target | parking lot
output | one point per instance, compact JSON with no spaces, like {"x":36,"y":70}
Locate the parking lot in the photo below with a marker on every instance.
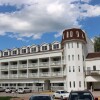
{"x":27,"y":95}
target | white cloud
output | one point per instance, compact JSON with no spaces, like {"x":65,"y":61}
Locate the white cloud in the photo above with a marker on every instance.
{"x":40,"y":16}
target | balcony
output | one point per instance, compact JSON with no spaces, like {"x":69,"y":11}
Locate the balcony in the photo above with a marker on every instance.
{"x":92,"y":72}
{"x":13,"y":76}
{"x":22,"y":66}
{"x":4,"y":67}
{"x":32,"y":65}
{"x":4,"y":76}
{"x":13,"y":67}
{"x":44,"y":74}
{"x":55,"y":63}
{"x":57,"y":74}
{"x":31,"y":75}
{"x":22,"y":75}
{"x":44,"y":64}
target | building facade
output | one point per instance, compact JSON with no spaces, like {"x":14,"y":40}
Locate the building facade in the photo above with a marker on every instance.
{"x":70,"y":64}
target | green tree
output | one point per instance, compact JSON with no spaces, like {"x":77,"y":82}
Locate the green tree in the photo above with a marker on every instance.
{"x":97,"y":44}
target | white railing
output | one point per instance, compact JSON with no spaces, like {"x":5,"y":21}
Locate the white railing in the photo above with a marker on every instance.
{"x":43,"y":74}
{"x":32,"y":65}
{"x":4,"y":67}
{"x":13,"y":66}
{"x":33,"y":75}
{"x":22,"y":66}
{"x":56,"y":74}
{"x":4,"y":76}
{"x":13,"y":76}
{"x":55,"y":63}
{"x":22,"y":75}
{"x":44,"y":64}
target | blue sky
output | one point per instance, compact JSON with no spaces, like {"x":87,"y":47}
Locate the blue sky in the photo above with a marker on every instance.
{"x":24,"y":23}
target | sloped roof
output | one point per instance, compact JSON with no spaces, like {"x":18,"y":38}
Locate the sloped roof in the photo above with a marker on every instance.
{"x":93,"y":55}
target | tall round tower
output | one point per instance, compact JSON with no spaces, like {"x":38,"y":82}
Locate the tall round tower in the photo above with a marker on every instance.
{"x":74,"y":45}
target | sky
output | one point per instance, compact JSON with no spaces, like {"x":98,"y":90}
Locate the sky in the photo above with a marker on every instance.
{"x":27,"y":22}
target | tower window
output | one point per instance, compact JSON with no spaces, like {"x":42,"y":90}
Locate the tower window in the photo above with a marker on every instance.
{"x":69,"y":68}
{"x":74,"y":84}
{"x":73,"y":68}
{"x":71,"y":33}
{"x":69,"y":57}
{"x":78,"y":57}
{"x":67,"y":34}
{"x":70,"y":84}
{"x":77,"y":32}
{"x":68,"y":45}
{"x":77,"y":45}
{"x":79,"y":68}
{"x":94,"y":68}
{"x":72,"y":57}
{"x":79,"y":83}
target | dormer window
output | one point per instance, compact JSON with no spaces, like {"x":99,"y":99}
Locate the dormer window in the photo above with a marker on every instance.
{"x":14,"y":52}
{"x":82,"y":36}
{"x":67,"y":34}
{"x":77,"y":33}
{"x":33,"y":49}
{"x":71,"y":33}
{"x":6,"y":53}
{"x":56,"y":46}
{"x":23,"y":50}
{"x":44,"y":48}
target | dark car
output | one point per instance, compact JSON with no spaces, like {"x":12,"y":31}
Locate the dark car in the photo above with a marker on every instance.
{"x":40,"y":97}
{"x":81,"y":95}
{"x":2,"y":89}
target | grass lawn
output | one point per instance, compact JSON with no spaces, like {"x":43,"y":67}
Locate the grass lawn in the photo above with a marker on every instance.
{"x":5,"y":98}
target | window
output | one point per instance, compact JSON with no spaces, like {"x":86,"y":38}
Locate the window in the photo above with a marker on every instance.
{"x":79,"y":83}
{"x":74,"y":84}
{"x":23,"y":50}
{"x":77,"y":45}
{"x":44,"y":48}
{"x":83,"y":58}
{"x":72,"y":44}
{"x":94,"y":68}
{"x":56,"y":46}
{"x":69,"y":57}
{"x":67,"y":34}
{"x":14,"y":52}
{"x":68,"y":45}
{"x":69,"y":68}
{"x":78,"y":57}
{"x":5,"y":53}
{"x":77,"y":33}
{"x":71,"y":33}
{"x":70,"y":84}
{"x":33,"y":49}
{"x":72,"y":57}
{"x":79,"y":68}
{"x":73,"y":68}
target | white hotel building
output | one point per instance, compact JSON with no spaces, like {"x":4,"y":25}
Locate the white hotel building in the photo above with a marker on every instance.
{"x":70,"y":64}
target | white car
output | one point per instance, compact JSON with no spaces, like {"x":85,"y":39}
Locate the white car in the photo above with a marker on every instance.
{"x":8,"y":90}
{"x":24,"y":90}
{"x":62,"y":94}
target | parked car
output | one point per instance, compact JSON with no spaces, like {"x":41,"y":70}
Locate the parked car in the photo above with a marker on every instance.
{"x":13,"y":89}
{"x":24,"y":90}
{"x":2,"y":89}
{"x":41,"y":97}
{"x":8,"y":90}
{"x":62,"y":94}
{"x":81,"y":95}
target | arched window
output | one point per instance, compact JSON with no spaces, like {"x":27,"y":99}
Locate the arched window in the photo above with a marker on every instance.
{"x":77,"y":33}
{"x":71,"y":33}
